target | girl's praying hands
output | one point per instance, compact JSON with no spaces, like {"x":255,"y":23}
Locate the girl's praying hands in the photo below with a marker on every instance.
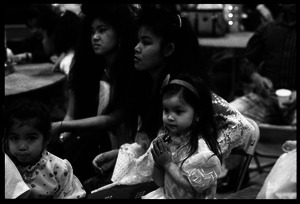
{"x":161,"y":153}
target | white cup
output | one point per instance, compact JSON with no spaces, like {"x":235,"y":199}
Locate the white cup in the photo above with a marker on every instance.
{"x":283,"y":96}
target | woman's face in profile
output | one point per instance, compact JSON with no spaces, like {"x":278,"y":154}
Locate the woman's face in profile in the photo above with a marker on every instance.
{"x":103,"y":37}
{"x":148,"y":51}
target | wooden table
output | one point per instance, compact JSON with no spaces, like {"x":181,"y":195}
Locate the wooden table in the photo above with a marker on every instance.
{"x":30,"y":77}
{"x":39,"y":82}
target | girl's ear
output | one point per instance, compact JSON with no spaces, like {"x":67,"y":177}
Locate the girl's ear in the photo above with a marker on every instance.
{"x":169,"y":49}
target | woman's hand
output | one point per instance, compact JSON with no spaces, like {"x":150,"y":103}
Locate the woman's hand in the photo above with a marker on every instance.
{"x":64,"y":136}
{"x":263,"y":85}
{"x":105,"y":161}
{"x":56,"y":60}
{"x":161,"y":153}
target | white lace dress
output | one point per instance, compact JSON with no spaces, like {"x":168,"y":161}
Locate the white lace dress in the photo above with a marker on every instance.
{"x":201,"y":170}
{"x":133,"y":166}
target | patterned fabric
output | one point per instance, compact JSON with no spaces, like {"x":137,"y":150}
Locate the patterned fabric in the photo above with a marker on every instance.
{"x":201,"y":169}
{"x":132,"y":165}
{"x":264,"y":110}
{"x":52,"y":177}
{"x":232,"y":126}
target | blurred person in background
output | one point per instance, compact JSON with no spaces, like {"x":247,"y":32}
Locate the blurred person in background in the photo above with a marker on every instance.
{"x":269,"y":64}
{"x":256,"y":14}
{"x":54,"y":34}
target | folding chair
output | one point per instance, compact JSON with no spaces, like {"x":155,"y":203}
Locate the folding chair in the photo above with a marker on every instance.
{"x":247,"y":150}
{"x":272,"y":135}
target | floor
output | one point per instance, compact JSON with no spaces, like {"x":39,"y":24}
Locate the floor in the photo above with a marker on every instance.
{"x":257,"y":177}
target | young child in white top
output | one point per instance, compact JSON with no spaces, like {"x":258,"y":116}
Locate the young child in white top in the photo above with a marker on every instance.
{"x":187,"y":164}
{"x":184,"y":160}
{"x":27,"y":134}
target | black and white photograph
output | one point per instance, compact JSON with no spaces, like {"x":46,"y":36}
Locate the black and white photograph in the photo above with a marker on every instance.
{"x":149,"y":100}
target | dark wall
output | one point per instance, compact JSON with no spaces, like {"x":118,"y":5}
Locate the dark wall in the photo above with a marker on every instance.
{"x":14,"y":13}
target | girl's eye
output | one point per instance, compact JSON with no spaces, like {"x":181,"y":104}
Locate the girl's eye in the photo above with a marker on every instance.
{"x":98,"y":30}
{"x":13,"y":138}
{"x":102,"y":30}
{"x":146,"y":42}
{"x":178,"y":112}
{"x":32,"y":138}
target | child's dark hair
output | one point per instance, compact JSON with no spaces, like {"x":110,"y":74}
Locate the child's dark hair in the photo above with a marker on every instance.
{"x":203,"y":107}
{"x":25,"y":109}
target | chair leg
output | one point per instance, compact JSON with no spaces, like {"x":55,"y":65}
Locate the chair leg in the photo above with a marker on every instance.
{"x":242,"y":174}
{"x":261,"y":168}
{"x":257,"y":153}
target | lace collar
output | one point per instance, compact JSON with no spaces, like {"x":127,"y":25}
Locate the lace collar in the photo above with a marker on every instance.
{"x":180,"y":140}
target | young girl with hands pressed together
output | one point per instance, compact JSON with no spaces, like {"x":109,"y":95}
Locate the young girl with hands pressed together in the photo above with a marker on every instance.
{"x":184,"y":159}
{"x":186,"y":153}
{"x":27,"y":134}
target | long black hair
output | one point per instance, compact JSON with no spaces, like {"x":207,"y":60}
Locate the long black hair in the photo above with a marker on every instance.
{"x":66,"y":33}
{"x":174,"y":27}
{"x":205,"y":126}
{"x":88,"y":67}
{"x":171,"y":27}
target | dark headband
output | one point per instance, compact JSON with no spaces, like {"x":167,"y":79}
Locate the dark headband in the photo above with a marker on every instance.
{"x":181,"y":83}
